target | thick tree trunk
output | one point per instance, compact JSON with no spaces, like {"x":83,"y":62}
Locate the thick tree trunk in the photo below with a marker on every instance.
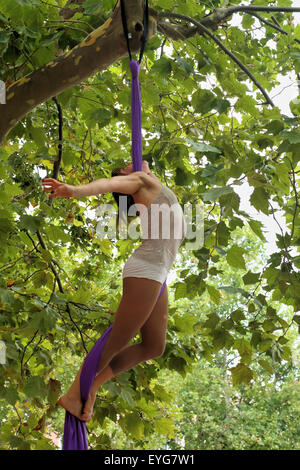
{"x":99,"y":50}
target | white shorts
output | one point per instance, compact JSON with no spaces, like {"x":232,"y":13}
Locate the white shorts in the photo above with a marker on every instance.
{"x":138,"y":267}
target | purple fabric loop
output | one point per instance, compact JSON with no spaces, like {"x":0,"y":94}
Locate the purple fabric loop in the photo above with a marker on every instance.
{"x":75,"y":437}
{"x":136,"y":117}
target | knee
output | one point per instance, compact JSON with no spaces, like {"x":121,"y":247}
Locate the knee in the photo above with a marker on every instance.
{"x":154,"y":350}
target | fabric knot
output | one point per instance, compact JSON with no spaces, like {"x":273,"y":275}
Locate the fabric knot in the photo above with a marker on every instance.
{"x":135,"y":68}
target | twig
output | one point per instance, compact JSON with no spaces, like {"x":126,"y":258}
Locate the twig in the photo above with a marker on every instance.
{"x":9,"y":265}
{"x":83,"y":151}
{"x":254,"y":8}
{"x":32,"y":241}
{"x":73,"y":21}
{"x":57,"y":163}
{"x":35,"y":348}
{"x":24,"y":350}
{"x":224,"y":48}
{"x":278,"y":28}
{"x":293,"y":182}
{"x":61,"y":290}
{"x":53,"y":290}
{"x":275,"y":21}
{"x":162,"y":47}
{"x":68,"y":27}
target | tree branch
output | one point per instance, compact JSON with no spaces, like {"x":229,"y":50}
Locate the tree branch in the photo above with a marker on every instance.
{"x":278,"y":28}
{"x":205,"y":30}
{"x":248,"y":8}
{"x":24,"y":351}
{"x":57,"y":163}
{"x":61,"y":289}
{"x":100,"y":49}
{"x":294,"y":185}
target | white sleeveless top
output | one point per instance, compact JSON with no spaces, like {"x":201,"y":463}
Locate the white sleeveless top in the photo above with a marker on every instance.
{"x":163,"y":230}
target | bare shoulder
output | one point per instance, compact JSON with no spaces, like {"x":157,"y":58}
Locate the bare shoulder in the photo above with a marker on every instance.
{"x":149,"y":189}
{"x":150,"y":181}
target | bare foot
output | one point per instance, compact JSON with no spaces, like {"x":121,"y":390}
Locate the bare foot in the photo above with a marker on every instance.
{"x":88,"y":407}
{"x":74,"y":406}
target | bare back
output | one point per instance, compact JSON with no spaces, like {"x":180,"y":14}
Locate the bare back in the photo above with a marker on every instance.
{"x":147,"y":194}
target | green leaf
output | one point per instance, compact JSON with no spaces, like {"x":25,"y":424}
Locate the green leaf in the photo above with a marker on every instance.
{"x":177,"y":363}
{"x":292,"y":136}
{"x":201,"y":147}
{"x":222,"y":105}
{"x":235,"y":290}
{"x":265,"y":344}
{"x":165,"y":426}
{"x":260,"y":200}
{"x":241,"y":374}
{"x":54,"y":390}
{"x":214,"y":294}
{"x":4,"y":37}
{"x":243,"y":346}
{"x":166,"y":3}
{"x":203,"y":101}
{"x":223,"y":234}
{"x":57,"y":299}
{"x":185,"y":65}
{"x":6,"y":296}
{"x":180,"y":290}
{"x":39,"y":279}
{"x":101,"y":117}
{"x":11,"y":395}
{"x":35,"y":387}
{"x":56,"y":233}
{"x":230,"y":201}
{"x":219,"y":338}
{"x":185,"y":324}
{"x":251,"y":278}
{"x":266,"y":366}
{"x":212,"y":320}
{"x":256,"y":226}
{"x":162,"y":66}
{"x":182,"y":178}
{"x":275,"y":126}
{"x":213,"y":194}
{"x":134,"y":425}
{"x":247,"y":21}
{"x":237,"y":315}
{"x":235,"y":257}
{"x":38,"y":135}
{"x":92,"y":6}
{"x":29,"y":222}
{"x":127,"y":395}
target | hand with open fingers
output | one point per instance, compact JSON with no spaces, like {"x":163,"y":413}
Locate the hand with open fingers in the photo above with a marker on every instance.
{"x":57,"y":188}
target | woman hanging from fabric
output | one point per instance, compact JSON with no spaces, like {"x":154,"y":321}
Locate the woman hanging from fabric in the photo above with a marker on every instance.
{"x":141,"y":307}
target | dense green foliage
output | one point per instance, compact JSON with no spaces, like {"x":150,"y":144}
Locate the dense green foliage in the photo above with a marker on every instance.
{"x":215,"y":415}
{"x":59,"y":281}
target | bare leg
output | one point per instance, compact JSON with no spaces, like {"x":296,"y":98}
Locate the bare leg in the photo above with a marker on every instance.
{"x":71,"y":400}
{"x":139,"y":298}
{"x":153,"y":343}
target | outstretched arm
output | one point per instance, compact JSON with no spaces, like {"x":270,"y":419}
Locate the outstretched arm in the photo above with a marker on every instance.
{"x":127,"y":184}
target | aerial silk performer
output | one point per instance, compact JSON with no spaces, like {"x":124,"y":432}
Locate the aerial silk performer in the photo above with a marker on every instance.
{"x":144,"y":303}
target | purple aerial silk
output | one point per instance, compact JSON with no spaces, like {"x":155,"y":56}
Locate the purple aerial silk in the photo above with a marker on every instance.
{"x":75,"y":437}
{"x":136,"y":117}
